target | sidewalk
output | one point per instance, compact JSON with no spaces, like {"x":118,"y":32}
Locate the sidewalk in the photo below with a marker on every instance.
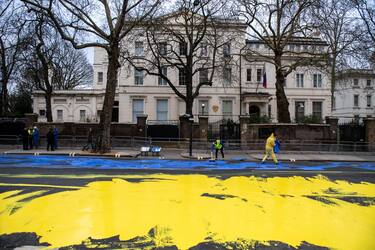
{"x":178,"y":154}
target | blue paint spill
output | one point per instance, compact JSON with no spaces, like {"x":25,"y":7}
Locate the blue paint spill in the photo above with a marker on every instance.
{"x":155,"y":163}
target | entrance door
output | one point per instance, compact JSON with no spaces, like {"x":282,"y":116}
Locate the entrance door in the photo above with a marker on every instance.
{"x":254,"y":110}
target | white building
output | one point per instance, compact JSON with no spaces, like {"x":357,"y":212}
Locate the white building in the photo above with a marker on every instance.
{"x":235,"y":90}
{"x":354,"y":96}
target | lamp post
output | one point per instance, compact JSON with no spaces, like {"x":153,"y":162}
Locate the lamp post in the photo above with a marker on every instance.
{"x":203,"y":105}
{"x":191,"y":121}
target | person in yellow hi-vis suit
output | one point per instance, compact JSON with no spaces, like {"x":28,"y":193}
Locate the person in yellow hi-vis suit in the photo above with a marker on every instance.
{"x":270,"y":144}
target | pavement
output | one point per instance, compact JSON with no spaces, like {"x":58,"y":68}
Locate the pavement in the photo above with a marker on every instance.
{"x":178,"y":154}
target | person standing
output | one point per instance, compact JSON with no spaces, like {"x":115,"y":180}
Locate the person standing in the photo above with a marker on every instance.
{"x":36,"y":137}
{"x":218,"y":146}
{"x":25,"y":139}
{"x":55,"y":137}
{"x":50,"y":140}
{"x":270,"y":144}
{"x":89,"y":141}
{"x":30,"y":137}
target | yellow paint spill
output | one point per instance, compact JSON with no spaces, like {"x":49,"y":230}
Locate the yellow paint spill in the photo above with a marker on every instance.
{"x":186,"y":209}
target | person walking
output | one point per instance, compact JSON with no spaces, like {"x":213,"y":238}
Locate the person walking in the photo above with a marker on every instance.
{"x":25,"y":139}
{"x":55,"y":137}
{"x":36,"y":137}
{"x":270,"y":144}
{"x":50,"y":140}
{"x":218,"y":146}
{"x":89,"y":141}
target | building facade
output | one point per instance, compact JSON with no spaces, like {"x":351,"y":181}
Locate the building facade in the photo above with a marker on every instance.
{"x":237,"y":88}
{"x":354,"y":96}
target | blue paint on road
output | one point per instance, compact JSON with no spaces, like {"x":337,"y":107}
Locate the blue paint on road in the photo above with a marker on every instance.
{"x":155,"y":163}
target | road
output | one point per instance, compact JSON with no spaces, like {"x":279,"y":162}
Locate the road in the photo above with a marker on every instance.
{"x":73,"y":208}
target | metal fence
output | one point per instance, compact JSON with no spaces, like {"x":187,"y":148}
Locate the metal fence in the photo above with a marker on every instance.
{"x":137,"y":142}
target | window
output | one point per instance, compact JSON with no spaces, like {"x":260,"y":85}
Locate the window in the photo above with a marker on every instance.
{"x":226,"y":49}
{"x":369,"y":101}
{"x":183,"y":48}
{"x":138,"y":77}
{"x":204,"y":50}
{"x":248,"y":75}
{"x":82,"y":115}
{"x":59,"y":114}
{"x":317,"y":110}
{"x":137,"y":108}
{"x":368,"y":83}
{"x":163,"y":48}
{"x":227,"y":75}
{"x":227,"y":109}
{"x":203,"y":107}
{"x":203,"y":75}
{"x":100,"y":77}
{"x":299,"y":111}
{"x":181,"y":76}
{"x":164,"y":72}
{"x":356,"y":98}
{"x":299,"y":78}
{"x":259,"y":75}
{"x":139,"y":51}
{"x":291,"y":47}
{"x":355,"y":82}
{"x":42,"y":112}
{"x":317,"y":81}
{"x":162,"y":109}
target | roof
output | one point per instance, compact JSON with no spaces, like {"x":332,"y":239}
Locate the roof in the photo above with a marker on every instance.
{"x":356,"y":72}
{"x":295,"y":41}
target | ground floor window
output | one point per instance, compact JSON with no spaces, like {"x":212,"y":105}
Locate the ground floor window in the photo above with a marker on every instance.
{"x":82,"y":115}
{"x":138,"y":108}
{"x":227,"y":109}
{"x":299,"y":110}
{"x":203,"y":107}
{"x":59,"y":114}
{"x":317,"y":110}
{"x":162,"y":109}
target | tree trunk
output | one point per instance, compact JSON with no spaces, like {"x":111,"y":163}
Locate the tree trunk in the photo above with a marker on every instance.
{"x":333,"y":80}
{"x":283,"y":114}
{"x":103,"y":143}
{"x":4,"y":97}
{"x":189,"y":105}
{"x":48,"y":98}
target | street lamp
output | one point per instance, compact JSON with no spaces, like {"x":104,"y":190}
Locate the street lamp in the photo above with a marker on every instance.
{"x":203,"y":105}
{"x":191,"y":121}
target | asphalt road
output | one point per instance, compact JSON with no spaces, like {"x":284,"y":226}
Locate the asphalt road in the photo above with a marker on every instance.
{"x":43,"y":182}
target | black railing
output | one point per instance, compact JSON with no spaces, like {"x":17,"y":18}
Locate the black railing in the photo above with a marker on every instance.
{"x":136,"y":142}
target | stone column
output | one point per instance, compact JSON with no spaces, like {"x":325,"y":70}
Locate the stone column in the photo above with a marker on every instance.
{"x":184,"y":126}
{"x":141,"y":125}
{"x":203,"y":127}
{"x":244,"y":123}
{"x":333,"y":130}
{"x":370,"y":130}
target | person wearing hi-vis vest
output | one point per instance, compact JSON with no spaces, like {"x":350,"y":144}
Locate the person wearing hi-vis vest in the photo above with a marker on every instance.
{"x":217,"y":145}
{"x":270,"y":144}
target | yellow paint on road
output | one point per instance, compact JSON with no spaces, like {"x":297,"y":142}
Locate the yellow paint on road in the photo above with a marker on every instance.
{"x":188,"y":209}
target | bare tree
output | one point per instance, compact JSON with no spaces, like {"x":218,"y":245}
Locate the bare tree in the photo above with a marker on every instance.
{"x":50,"y":63}
{"x":13,"y":40}
{"x":277,"y":24}
{"x":366,"y":10}
{"x":339,"y":28}
{"x":77,"y":19}
{"x":187,"y":41}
